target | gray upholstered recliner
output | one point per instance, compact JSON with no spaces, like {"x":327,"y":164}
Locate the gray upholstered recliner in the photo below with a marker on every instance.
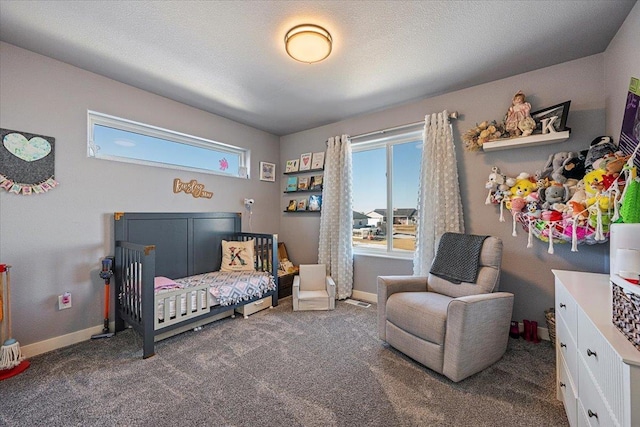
{"x":455,"y":329}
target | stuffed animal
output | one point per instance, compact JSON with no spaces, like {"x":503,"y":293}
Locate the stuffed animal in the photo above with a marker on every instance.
{"x":555,"y":166}
{"x":523,"y":187}
{"x":555,"y":193}
{"x":599,"y":147}
{"x":572,"y":167}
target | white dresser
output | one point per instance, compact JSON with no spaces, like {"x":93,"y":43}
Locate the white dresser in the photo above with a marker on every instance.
{"x":597,"y":369}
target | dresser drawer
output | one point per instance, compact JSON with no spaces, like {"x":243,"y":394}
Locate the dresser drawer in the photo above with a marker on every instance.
{"x":567,"y":392}
{"x":604,"y":364}
{"x":568,"y":348}
{"x":566,"y":309}
{"x":594,"y":409}
{"x":253,"y":307}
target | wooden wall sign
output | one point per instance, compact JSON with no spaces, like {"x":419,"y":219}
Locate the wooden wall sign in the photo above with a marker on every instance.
{"x":192,"y":187}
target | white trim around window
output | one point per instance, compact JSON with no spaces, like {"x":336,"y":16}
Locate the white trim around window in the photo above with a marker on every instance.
{"x":117,"y":139}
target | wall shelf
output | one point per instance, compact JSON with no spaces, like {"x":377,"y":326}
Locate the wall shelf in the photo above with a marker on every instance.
{"x":304,"y":171}
{"x":306,"y":211}
{"x":525,"y":141}
{"x":303,"y":191}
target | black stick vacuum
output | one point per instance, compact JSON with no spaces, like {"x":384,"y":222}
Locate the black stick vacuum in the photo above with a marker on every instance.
{"x":105,"y":274}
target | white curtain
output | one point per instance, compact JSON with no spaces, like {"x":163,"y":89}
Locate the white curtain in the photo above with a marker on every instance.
{"x":439,"y":203}
{"x":336,"y":217}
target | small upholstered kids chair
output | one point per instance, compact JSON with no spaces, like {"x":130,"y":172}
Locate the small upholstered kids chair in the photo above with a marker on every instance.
{"x":313,"y":289}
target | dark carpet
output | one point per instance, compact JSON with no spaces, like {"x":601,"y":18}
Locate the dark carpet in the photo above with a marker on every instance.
{"x":277,"y":368}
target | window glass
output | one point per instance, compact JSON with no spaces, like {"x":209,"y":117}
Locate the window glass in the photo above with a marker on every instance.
{"x":118,"y":139}
{"x":385,"y":179}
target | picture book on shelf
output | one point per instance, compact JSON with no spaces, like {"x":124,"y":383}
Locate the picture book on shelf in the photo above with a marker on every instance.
{"x":315,"y":183}
{"x":303,"y":183}
{"x":292,"y":183}
{"x":292,"y":205}
{"x":315,"y":203}
{"x":317,"y":160}
{"x":302,"y":205}
{"x":292,"y":166}
{"x":305,"y":162}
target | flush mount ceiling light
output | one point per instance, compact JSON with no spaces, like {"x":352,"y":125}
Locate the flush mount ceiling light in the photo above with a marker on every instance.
{"x":308,"y":43}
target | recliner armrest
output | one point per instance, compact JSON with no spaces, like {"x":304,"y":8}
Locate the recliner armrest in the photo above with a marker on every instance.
{"x":477,"y":331}
{"x":389,"y":285}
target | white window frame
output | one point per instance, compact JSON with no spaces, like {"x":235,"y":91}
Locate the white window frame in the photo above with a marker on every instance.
{"x":387,"y":142}
{"x":95,"y":118}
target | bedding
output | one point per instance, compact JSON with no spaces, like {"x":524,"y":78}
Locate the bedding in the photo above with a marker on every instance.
{"x":232,"y":287}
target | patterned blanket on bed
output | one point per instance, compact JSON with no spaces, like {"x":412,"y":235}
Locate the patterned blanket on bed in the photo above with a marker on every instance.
{"x":232,"y":287}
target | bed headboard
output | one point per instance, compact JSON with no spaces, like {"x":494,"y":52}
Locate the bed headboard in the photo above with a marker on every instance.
{"x":186,"y":243}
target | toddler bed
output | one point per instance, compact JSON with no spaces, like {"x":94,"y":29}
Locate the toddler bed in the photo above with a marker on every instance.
{"x":191,"y":267}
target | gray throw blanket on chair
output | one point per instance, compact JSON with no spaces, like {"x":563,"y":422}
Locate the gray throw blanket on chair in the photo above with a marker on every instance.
{"x":458,"y":257}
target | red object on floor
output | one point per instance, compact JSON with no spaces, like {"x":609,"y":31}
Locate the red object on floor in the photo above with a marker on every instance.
{"x":8,"y":373}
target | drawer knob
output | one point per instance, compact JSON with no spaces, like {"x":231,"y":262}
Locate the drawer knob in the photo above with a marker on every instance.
{"x":562,"y":384}
{"x":563,"y":345}
{"x":591,"y":353}
{"x":563,"y":305}
{"x":592,"y":414}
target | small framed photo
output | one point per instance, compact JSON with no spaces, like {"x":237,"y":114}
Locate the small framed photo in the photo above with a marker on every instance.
{"x":267,"y":171}
{"x":317,"y":160}
{"x":556,"y":117}
{"x":305,"y":162}
{"x":292,"y":166}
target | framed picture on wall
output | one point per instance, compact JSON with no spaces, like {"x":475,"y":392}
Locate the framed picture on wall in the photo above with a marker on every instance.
{"x":267,"y":171}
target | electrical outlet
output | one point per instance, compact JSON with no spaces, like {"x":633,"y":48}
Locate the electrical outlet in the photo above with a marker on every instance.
{"x":64,"y":301}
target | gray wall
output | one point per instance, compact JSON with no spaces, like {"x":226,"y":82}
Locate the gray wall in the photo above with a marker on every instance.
{"x":526,"y":272}
{"x":55,"y":240}
{"x":594,"y":112}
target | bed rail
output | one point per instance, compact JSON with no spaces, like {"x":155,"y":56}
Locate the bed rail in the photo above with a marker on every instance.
{"x":130,"y":290}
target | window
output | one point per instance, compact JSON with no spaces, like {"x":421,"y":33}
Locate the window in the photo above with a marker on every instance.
{"x":386,"y":174}
{"x":122,"y":140}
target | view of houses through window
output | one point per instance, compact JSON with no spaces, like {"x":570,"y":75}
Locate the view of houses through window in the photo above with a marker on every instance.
{"x":385,"y":180}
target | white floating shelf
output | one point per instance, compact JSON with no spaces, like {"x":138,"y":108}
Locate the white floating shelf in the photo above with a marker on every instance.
{"x":539,"y":139}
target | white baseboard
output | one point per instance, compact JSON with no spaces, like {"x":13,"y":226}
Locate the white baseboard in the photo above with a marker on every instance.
{"x":61,"y":341}
{"x":364,"y":296}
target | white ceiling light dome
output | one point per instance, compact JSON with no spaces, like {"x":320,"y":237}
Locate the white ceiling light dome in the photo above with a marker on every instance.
{"x":308,"y":43}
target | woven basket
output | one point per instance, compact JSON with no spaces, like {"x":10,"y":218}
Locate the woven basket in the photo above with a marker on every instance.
{"x":550,"y":316}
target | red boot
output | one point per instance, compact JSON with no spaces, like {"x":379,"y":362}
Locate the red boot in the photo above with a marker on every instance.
{"x":533,"y":334}
{"x":514,"y":331}
{"x":527,"y":330}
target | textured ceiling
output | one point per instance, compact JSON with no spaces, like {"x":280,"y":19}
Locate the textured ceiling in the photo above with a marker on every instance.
{"x":228,"y":57}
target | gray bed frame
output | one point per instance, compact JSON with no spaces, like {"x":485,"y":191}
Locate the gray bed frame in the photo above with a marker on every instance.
{"x":176,"y":245}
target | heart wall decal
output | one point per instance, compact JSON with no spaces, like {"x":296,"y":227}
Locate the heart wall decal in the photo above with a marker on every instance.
{"x":27,"y":161}
{"x":28,"y":150}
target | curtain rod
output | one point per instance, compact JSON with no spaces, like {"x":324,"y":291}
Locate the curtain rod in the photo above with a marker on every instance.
{"x":452,"y":115}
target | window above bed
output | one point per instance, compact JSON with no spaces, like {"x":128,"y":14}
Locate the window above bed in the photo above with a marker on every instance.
{"x":114,"y":138}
